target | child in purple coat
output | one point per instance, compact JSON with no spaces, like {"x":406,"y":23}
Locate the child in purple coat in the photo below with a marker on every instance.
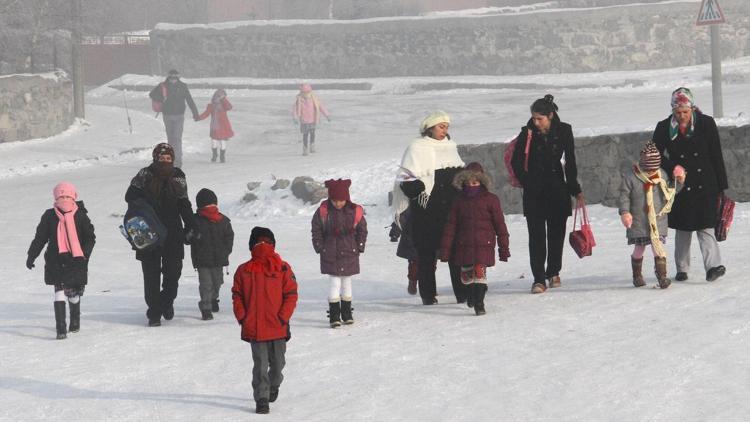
{"x":475,"y":221}
{"x":339,"y":233}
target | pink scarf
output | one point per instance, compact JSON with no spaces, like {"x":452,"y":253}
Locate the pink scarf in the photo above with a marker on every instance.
{"x":67,"y":236}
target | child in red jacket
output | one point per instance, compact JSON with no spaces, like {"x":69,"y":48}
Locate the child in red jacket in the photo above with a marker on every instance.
{"x":475,"y":221}
{"x":220,"y":129}
{"x":264,"y":296}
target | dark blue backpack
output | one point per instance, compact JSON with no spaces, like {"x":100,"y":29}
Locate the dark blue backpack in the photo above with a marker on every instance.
{"x":142,"y":227}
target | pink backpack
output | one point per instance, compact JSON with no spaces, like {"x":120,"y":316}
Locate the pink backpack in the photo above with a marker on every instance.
{"x":508,"y":157}
{"x":358,"y":213}
{"x":156,"y":106}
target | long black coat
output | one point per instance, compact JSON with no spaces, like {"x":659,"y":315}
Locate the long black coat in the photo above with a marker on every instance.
{"x":63,"y":268}
{"x":177,"y":95}
{"x":700,"y":155}
{"x":171,"y":205}
{"x":427,"y":224}
{"x":215,"y":244}
{"x":548,"y":185}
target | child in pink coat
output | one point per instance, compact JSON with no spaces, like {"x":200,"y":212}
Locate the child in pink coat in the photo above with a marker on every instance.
{"x":221,"y":129}
{"x":307,"y":110}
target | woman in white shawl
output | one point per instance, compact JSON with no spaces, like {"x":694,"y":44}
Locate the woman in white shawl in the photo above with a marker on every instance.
{"x":424,"y":182}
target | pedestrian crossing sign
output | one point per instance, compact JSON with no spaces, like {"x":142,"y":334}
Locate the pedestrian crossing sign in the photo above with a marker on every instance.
{"x":710,"y":13}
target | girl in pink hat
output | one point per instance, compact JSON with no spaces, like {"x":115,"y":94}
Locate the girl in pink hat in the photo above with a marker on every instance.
{"x":69,"y":235}
{"x":307,"y":110}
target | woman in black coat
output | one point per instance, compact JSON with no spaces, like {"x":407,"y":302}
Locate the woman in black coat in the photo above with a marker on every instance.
{"x":424,"y":185}
{"x":67,"y":269}
{"x":164,"y":187}
{"x":688,"y":141}
{"x":548,"y":186}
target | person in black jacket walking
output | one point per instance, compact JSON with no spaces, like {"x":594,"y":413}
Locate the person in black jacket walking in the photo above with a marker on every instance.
{"x":548,"y":186}
{"x":163,"y":186}
{"x":172,"y":94}
{"x":210,"y":252}
{"x":69,"y":236}
{"x":688,"y":141}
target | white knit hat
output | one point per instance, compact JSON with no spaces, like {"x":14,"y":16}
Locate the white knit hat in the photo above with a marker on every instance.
{"x":433,"y":119}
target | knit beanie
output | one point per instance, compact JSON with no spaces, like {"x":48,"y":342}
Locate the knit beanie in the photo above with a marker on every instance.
{"x":338,"y":190}
{"x":259,"y":233}
{"x":650,"y":158}
{"x":65,"y":189}
{"x":434,"y":119}
{"x":173,"y":72}
{"x":162,"y":149}
{"x":682,"y":97}
{"x":205,"y":197}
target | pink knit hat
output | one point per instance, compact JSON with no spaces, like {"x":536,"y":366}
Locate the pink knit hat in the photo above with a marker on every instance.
{"x":65,"y":189}
{"x":305,"y":88}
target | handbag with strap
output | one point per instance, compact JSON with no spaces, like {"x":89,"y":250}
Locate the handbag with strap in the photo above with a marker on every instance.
{"x":724,"y":218}
{"x":582,"y":240}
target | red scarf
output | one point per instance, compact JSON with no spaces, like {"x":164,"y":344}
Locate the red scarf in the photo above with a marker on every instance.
{"x":264,"y":259}
{"x":211,"y":212}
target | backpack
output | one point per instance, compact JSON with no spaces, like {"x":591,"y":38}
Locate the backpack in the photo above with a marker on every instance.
{"x":157,"y":105}
{"x":508,"y":157}
{"x":358,"y":213}
{"x":142,"y":227}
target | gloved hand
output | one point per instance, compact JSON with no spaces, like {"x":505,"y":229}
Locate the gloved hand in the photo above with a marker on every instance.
{"x":627,"y":220}
{"x":444,"y":258}
{"x":29,"y":262}
{"x":196,"y":117}
{"x":191,"y":236}
{"x":504,"y":254}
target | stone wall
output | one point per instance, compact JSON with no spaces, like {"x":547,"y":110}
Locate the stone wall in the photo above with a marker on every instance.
{"x":35,"y":106}
{"x":603,"y":159}
{"x":610,"y":38}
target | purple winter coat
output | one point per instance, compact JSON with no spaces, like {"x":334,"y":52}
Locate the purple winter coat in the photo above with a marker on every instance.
{"x":337,"y":241}
{"x":473,"y":225}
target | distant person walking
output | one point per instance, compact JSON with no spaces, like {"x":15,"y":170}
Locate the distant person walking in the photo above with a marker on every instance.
{"x":169,"y":98}
{"x":220,"y":129}
{"x":688,"y":141}
{"x":548,"y":186}
{"x":307,"y":110}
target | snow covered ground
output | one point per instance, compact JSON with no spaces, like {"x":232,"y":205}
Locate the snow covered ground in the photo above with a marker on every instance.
{"x":594,"y":350}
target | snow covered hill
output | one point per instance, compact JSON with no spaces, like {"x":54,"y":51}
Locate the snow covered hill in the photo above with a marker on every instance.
{"x":595,"y":350}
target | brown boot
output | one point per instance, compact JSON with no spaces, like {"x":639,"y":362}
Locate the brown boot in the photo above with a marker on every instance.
{"x":660,"y":265}
{"x":637,"y":265}
{"x":554,"y":282}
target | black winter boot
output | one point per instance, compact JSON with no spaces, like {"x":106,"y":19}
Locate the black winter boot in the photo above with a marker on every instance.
{"x":223,"y":157}
{"x":479,"y":290}
{"x":215,"y":305}
{"x":261,"y":407}
{"x":75,"y":316}
{"x":334,"y":314}
{"x":213,"y":155}
{"x":470,"y":295}
{"x":206,"y":315}
{"x":346,"y":312}
{"x":62,"y":330}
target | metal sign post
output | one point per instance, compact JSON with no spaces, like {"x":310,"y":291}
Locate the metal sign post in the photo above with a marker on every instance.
{"x":711,"y":14}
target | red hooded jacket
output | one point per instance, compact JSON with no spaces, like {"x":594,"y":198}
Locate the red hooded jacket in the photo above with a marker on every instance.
{"x":264,"y":300}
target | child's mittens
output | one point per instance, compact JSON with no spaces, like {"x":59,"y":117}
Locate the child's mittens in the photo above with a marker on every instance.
{"x":627,"y":220}
{"x":679,"y":173}
{"x":29,"y":262}
{"x":504,"y":254}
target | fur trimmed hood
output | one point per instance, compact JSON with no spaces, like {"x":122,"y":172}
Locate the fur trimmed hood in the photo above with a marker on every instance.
{"x":473,"y":170}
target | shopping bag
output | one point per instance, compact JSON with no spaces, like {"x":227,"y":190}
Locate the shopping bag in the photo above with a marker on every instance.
{"x":582,"y":240}
{"x":724,"y":217}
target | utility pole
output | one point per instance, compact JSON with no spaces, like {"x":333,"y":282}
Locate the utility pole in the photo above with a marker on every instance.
{"x":711,"y":14}
{"x":77,"y":60}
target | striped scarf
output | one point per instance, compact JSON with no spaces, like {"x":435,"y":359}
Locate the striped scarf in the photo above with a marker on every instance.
{"x":669,"y":194}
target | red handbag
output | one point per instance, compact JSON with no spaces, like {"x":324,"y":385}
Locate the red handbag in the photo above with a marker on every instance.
{"x":582,"y":240}
{"x":724,"y":217}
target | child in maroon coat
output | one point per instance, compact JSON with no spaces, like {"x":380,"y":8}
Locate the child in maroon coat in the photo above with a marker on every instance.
{"x":264,"y":297}
{"x":475,"y":221}
{"x":339,"y":233}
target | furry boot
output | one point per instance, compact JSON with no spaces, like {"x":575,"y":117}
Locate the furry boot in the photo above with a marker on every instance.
{"x":660,"y":265}
{"x":346,"y":311}
{"x":637,"y":265}
{"x":334,"y":314}
{"x":75,"y":316}
{"x":62,"y":330}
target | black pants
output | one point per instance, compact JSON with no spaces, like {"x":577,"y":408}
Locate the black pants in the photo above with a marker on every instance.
{"x":546,"y":239}
{"x":160,"y":293}
{"x":427,"y":259}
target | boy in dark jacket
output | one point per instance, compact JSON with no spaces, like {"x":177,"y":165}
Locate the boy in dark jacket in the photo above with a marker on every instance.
{"x":69,"y":236}
{"x":210,"y":251}
{"x":264,"y":297}
{"x":476,"y":220}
